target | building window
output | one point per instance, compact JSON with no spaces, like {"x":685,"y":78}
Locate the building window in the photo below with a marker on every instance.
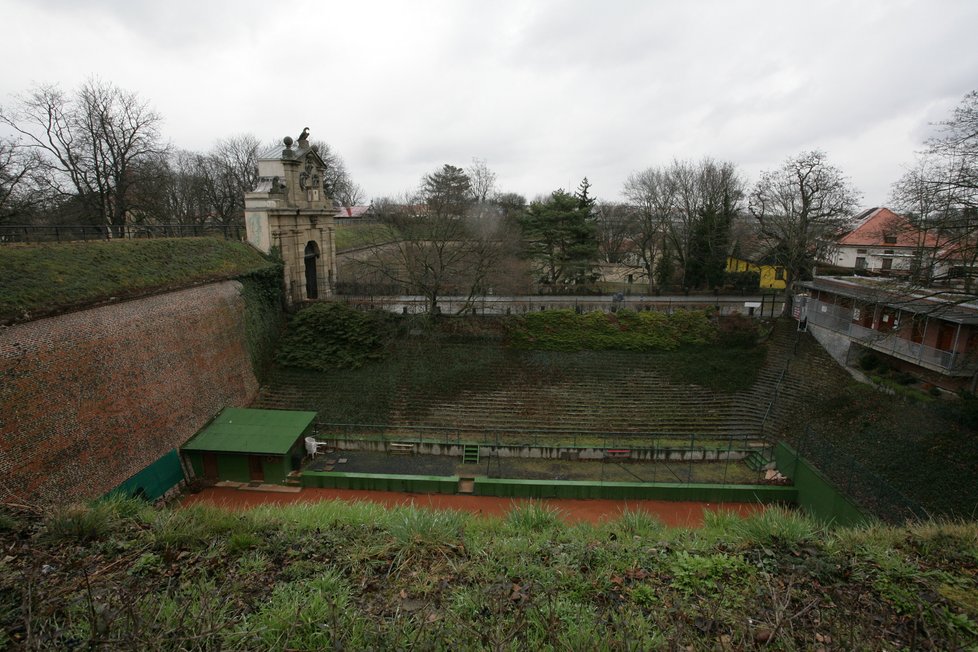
{"x":887,"y":264}
{"x":860,"y":263}
{"x":860,"y":251}
{"x":887,"y":252}
{"x":779,"y":273}
{"x":889,"y":239}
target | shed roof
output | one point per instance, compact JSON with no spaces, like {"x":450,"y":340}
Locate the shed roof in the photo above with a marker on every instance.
{"x":243,"y":430}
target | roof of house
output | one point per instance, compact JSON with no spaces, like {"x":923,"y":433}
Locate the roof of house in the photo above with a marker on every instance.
{"x":353,"y":211}
{"x":875,"y":224}
{"x":243,"y":430}
{"x":936,"y":303}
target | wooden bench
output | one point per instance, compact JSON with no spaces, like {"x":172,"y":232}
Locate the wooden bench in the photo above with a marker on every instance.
{"x":618,"y":453}
{"x":400,"y":449}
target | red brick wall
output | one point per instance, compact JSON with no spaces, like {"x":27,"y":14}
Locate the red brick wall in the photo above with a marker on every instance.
{"x":90,"y":398}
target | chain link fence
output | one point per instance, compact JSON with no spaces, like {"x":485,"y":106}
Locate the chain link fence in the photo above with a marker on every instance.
{"x":856,"y":481}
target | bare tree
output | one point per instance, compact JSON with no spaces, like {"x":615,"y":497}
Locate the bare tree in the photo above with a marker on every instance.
{"x":799,"y":207}
{"x":228,"y":172}
{"x":942,"y":192}
{"x":436,"y":244}
{"x":350,"y":194}
{"x":616,"y":224}
{"x":957,"y":145}
{"x":19,"y":168}
{"x":685,"y":210}
{"x":89,"y":142}
{"x":926,"y":201}
{"x":651,"y":191}
{"x":337,"y":180}
{"x":482,"y":181}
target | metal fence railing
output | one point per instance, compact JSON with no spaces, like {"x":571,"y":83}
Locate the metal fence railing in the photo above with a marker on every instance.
{"x":15,"y":233}
{"x":387,"y":298}
{"x":840,"y":320}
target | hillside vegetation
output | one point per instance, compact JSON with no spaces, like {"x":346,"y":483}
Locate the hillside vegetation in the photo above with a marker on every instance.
{"x":333,"y":575}
{"x":40,"y":279}
{"x":352,"y":236}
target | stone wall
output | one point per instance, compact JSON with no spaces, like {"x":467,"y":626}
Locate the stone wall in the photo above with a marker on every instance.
{"x":90,"y":398}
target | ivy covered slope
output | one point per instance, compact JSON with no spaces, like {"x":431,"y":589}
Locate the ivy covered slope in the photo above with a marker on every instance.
{"x":42,"y":279}
{"x":333,"y":575}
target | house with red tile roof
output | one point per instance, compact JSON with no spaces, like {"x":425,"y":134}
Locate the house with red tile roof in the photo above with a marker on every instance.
{"x":353,"y":212}
{"x":884,"y":243}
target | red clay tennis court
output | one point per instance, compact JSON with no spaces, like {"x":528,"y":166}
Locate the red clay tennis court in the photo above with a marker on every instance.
{"x":673,"y":514}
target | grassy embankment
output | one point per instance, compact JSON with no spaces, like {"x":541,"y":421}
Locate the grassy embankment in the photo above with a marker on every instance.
{"x":42,"y":279}
{"x":351,"y":236}
{"x":122,"y":575}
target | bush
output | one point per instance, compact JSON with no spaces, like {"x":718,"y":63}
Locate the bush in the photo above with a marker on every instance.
{"x":334,"y":336}
{"x":742,"y":281}
{"x":737,"y":331}
{"x":626,"y":330}
{"x":869,"y":361}
{"x":904,"y":378}
{"x":80,"y":523}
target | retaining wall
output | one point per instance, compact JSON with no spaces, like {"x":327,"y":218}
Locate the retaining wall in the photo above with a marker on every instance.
{"x":665,"y":453}
{"x":424,"y":484}
{"x":91,"y":398}
{"x":713,"y":493}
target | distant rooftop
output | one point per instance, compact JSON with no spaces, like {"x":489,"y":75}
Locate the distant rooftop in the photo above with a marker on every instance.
{"x":245,"y":430}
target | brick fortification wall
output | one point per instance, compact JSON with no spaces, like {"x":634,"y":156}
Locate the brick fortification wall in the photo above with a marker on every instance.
{"x":90,"y":398}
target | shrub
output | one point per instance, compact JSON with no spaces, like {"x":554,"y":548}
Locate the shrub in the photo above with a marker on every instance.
{"x":533,"y":517}
{"x":626,"y":330}
{"x":904,"y":378}
{"x":869,"y":361}
{"x":81,"y":523}
{"x":334,"y":336}
{"x":737,"y":331}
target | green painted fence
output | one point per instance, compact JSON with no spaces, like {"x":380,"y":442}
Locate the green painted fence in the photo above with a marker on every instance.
{"x":425,"y":484}
{"x":155,"y":480}
{"x":816,"y":494}
{"x":712,"y":493}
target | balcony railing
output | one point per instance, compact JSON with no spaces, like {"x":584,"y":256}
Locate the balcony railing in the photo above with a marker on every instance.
{"x":839,"y":319}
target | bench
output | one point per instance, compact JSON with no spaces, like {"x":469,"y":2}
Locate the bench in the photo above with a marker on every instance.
{"x":618,"y":453}
{"x":400,"y":449}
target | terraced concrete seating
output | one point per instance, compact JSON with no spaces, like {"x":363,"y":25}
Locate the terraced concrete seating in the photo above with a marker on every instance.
{"x":614,"y":392}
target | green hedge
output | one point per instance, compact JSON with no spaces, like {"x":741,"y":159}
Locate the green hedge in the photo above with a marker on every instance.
{"x":335,"y":336}
{"x":626,"y":330}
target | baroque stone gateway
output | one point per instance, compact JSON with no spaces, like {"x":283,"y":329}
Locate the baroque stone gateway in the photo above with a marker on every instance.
{"x":291,"y":210}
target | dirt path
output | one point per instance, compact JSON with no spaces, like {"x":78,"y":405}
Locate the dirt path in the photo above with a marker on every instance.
{"x":673,"y":514}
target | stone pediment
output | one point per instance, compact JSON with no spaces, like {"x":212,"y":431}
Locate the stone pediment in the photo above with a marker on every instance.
{"x":296,"y":173}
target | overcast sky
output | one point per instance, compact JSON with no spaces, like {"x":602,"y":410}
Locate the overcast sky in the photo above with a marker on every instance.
{"x":547,"y":92}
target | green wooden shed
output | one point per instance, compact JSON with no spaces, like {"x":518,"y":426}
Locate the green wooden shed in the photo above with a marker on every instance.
{"x":246,"y":445}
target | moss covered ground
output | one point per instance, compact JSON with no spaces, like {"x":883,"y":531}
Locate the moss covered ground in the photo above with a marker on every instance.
{"x":123,"y":575}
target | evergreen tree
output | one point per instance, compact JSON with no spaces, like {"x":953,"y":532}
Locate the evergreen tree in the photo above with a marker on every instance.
{"x":559,"y":233}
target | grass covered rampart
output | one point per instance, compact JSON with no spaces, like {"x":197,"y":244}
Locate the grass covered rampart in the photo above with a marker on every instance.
{"x":43,"y":279}
{"x":333,"y":575}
